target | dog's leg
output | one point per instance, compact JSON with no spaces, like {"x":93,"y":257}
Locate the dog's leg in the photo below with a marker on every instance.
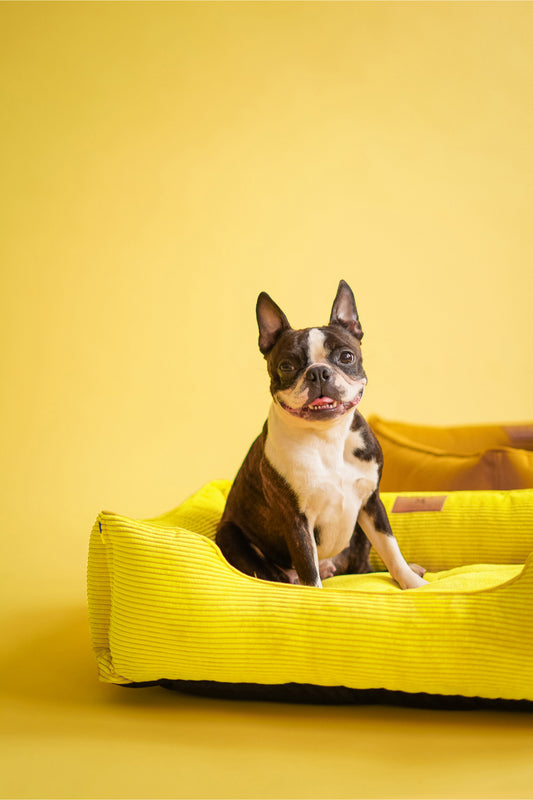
{"x":302,"y":547}
{"x":375,"y":523}
{"x":242,"y":555}
{"x":353,"y":560}
{"x":298,"y":533}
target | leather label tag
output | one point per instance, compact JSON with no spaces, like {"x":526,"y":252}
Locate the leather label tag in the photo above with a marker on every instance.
{"x":403,"y":505}
{"x":520,"y":435}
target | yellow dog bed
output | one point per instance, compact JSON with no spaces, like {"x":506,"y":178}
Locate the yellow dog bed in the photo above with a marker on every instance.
{"x":164,"y":604}
{"x":427,"y":458}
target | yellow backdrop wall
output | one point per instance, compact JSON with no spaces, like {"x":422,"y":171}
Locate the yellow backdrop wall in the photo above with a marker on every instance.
{"x":162,"y":163}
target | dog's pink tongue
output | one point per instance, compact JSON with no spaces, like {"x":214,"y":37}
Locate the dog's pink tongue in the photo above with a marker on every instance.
{"x":322,"y":401}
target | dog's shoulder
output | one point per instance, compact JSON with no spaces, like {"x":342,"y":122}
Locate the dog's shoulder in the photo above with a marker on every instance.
{"x":363,"y":441}
{"x":259,"y":490}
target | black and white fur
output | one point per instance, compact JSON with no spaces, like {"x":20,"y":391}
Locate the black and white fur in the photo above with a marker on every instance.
{"x":305,"y":504}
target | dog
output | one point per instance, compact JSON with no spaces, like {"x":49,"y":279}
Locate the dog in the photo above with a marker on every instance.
{"x":305,"y":503}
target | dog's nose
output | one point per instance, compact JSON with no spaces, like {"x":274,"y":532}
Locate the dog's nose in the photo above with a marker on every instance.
{"x":317,"y":374}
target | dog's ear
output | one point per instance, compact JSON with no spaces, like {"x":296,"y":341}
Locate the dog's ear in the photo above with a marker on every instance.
{"x":272,"y":322}
{"x":344,"y":311}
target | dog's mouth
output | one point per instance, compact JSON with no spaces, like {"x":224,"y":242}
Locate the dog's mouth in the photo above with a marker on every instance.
{"x":323,"y":407}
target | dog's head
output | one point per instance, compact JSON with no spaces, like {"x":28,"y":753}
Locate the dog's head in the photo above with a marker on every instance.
{"x":315,"y":373}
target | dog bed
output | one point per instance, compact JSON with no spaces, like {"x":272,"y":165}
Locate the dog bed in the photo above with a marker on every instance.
{"x":428,"y":458}
{"x":166,"y":607}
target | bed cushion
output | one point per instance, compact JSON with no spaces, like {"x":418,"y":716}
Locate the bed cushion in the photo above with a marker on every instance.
{"x":424,"y":457}
{"x":165,"y":605}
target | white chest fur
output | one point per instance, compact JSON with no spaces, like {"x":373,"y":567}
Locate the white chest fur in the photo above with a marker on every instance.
{"x":330,"y":483}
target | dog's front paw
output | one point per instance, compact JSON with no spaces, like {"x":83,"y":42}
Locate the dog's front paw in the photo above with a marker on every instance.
{"x":327,"y":568}
{"x":292,"y":575}
{"x":411,"y":580}
{"x":418,"y":569}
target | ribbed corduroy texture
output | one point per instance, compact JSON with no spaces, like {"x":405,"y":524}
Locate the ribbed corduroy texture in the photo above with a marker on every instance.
{"x":473,"y":527}
{"x":164,"y":603}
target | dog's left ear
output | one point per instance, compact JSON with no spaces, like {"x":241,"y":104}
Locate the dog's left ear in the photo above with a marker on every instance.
{"x":344,"y":311}
{"x":271,"y":321}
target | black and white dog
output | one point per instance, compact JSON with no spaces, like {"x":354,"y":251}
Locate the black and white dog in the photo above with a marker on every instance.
{"x":305,"y":503}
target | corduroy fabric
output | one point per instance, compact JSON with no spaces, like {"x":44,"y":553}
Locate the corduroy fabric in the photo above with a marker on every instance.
{"x":473,"y":527}
{"x":164,"y":604}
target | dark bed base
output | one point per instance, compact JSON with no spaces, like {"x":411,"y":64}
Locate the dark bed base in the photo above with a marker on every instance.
{"x":334,"y":695}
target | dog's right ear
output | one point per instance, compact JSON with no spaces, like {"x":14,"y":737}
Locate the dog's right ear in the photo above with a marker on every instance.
{"x":344,"y":311}
{"x":272,"y":322}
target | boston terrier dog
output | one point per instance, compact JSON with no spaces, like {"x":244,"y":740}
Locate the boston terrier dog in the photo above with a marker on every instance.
{"x":305,"y":504}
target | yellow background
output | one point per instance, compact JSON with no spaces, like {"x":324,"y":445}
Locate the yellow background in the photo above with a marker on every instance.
{"x":161,"y":164}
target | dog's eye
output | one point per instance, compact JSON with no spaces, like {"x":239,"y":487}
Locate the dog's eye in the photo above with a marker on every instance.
{"x":285,"y":366}
{"x":346,"y":357}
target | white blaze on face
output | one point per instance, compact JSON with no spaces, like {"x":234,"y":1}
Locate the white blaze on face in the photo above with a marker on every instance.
{"x":318,"y":354}
{"x":317,"y":349}
{"x":298,"y":395}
